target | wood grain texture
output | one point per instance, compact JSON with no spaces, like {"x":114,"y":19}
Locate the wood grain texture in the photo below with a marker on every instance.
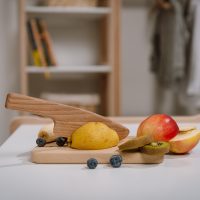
{"x":66,"y":118}
{"x":53,"y":154}
{"x":117,"y":53}
{"x":113,"y":57}
{"x":23,"y":47}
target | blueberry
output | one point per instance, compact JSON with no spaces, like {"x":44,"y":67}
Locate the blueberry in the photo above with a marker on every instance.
{"x":40,"y":142}
{"x":92,"y":163}
{"x":116,"y":161}
{"x":60,"y":141}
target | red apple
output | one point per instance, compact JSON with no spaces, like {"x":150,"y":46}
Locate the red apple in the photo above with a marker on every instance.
{"x":162,"y":127}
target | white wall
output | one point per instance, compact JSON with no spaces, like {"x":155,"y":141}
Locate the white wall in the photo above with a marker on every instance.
{"x":137,"y":82}
{"x":9,"y":60}
{"x":141,"y":94}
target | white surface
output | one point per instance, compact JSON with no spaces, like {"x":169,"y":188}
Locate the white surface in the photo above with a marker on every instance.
{"x":70,"y":69}
{"x":176,"y":178}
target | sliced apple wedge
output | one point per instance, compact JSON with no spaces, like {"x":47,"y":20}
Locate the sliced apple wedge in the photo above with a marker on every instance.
{"x":185,"y":129}
{"x":184,"y":143}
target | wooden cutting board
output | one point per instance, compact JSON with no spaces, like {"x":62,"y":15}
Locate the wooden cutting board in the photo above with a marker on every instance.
{"x":67,"y":119}
{"x":51,"y":153}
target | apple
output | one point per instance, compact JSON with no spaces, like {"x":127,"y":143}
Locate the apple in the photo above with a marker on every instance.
{"x":161,"y":126}
{"x":183,"y":143}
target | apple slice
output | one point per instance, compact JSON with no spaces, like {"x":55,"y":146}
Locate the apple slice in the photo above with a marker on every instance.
{"x":185,"y":129}
{"x":184,"y":143}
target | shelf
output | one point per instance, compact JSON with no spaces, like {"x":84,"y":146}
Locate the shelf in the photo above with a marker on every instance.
{"x":95,"y":69}
{"x":90,"y":34}
{"x":68,"y":10}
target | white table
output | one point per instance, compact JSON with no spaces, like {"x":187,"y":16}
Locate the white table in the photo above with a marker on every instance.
{"x":178,"y":177}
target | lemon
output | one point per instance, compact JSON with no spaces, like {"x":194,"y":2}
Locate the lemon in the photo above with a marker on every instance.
{"x":94,"y":136}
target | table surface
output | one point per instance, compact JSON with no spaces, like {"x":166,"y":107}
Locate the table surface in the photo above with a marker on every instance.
{"x":178,"y":177}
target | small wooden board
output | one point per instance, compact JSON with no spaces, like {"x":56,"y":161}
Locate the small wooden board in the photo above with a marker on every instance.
{"x":54,"y":154}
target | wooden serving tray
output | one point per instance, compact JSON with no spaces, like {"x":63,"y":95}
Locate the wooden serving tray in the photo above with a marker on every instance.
{"x":51,"y":153}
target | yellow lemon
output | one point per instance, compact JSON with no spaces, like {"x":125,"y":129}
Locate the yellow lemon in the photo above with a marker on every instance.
{"x":94,"y":136}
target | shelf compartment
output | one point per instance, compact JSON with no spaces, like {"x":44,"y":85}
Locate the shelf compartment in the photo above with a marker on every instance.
{"x":95,"y":69}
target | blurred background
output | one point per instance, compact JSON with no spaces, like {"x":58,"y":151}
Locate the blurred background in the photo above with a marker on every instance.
{"x":112,"y":57}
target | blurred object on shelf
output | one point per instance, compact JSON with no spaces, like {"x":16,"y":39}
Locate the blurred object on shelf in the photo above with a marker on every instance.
{"x":85,"y":101}
{"x":34,"y":53}
{"x":40,"y":43}
{"x":78,"y":3}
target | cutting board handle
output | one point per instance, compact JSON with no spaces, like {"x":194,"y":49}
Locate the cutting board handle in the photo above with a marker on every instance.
{"x":66,"y":118}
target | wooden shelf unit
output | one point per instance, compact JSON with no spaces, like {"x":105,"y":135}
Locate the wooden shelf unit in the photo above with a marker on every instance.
{"x":109,"y":67}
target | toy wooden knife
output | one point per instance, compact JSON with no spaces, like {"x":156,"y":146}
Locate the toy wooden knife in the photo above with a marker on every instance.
{"x":66,"y":118}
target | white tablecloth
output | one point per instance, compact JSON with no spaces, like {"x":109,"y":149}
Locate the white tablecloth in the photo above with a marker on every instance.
{"x":178,"y":177}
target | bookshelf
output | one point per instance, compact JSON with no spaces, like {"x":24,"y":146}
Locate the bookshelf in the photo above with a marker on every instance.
{"x":98,"y":56}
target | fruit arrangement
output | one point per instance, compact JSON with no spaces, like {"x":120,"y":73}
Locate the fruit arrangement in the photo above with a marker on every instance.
{"x":163,"y":135}
{"x":79,"y":129}
{"x":156,"y":135}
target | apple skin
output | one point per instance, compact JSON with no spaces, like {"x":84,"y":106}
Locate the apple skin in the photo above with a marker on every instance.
{"x":180,"y":145}
{"x":161,"y":126}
